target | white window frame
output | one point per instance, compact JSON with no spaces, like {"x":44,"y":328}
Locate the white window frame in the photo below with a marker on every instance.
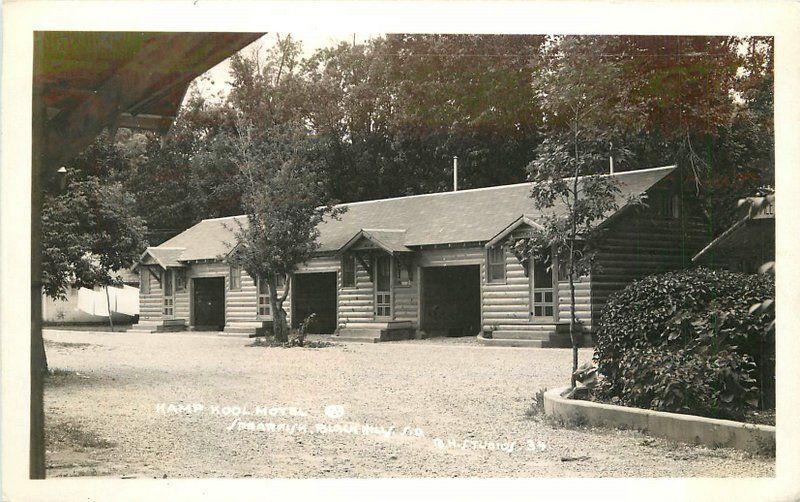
{"x":403,"y":273}
{"x":538,"y":295}
{"x":235,"y":272}
{"x":498,"y":248}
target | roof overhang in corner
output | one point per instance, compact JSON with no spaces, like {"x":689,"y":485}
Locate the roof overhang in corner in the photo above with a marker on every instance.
{"x":388,"y":240}
{"x":740,"y":239}
{"x":522,"y":220}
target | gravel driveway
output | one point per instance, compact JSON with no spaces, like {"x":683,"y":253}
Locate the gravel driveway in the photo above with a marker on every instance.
{"x":147,"y":405}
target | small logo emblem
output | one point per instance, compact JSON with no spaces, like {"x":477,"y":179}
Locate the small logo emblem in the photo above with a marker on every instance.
{"x":334,"y":411}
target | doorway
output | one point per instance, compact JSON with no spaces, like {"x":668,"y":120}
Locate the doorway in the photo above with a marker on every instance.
{"x":315,"y":293}
{"x":209,"y":303}
{"x":451,"y":301}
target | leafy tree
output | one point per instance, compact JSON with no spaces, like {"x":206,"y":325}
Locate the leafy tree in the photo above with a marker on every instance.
{"x":280,"y":180}
{"x":89,"y":233}
{"x":394,"y":111}
{"x":583,"y":110}
{"x":186,"y":175}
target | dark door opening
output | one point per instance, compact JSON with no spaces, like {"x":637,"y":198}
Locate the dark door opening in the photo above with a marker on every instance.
{"x":315,"y":293}
{"x":209,"y":303}
{"x":451,"y":301}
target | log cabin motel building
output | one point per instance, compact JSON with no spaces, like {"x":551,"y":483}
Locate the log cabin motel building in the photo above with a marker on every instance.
{"x":426,"y":265}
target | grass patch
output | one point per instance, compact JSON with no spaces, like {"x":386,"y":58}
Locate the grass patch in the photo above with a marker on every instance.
{"x":536,"y":408}
{"x":68,"y":345}
{"x":271,"y":342}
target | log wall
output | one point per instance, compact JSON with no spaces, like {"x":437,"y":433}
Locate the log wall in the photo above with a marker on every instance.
{"x":150,"y":304}
{"x":641,"y":242}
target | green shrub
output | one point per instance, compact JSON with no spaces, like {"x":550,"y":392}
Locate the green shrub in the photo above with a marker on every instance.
{"x":686,"y":342}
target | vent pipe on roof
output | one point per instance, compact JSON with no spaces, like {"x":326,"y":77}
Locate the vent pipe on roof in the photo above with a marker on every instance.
{"x":455,"y":173}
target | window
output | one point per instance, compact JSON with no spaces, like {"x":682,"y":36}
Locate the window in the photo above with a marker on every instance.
{"x":235,"y":278}
{"x":543,"y":294}
{"x":263,"y":298}
{"x":668,"y":205}
{"x":348,"y":271}
{"x":563,"y":272}
{"x":280,"y":281}
{"x":404,"y":275}
{"x":180,"y":279}
{"x":144,"y":286}
{"x":169,"y":292}
{"x":496,"y":260}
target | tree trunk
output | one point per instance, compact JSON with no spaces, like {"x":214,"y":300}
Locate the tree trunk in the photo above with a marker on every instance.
{"x":280,"y":326}
{"x":573,"y":234}
{"x":108,"y":306}
{"x":572,"y":319}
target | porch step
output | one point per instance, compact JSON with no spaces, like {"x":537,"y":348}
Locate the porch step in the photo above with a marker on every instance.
{"x":512,"y":342}
{"x":240,"y":330}
{"x":525,"y":335}
{"x":375,"y":334}
{"x":142,"y":328}
{"x":155,"y":327}
{"x":357,"y":335}
{"x":552,"y":341}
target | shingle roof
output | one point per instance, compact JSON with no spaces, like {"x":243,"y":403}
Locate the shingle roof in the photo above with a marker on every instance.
{"x":390,"y":240}
{"x":440,"y":218}
{"x":166,"y":256}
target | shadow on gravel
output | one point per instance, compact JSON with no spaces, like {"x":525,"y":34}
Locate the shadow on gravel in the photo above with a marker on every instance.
{"x":69,"y":345}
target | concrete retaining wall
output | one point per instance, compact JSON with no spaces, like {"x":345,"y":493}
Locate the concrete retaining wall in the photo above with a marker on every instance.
{"x":685,"y":428}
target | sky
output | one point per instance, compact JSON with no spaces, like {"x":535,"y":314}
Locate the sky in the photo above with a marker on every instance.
{"x":215,"y":81}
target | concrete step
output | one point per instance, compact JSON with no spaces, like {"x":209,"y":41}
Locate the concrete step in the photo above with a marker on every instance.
{"x":511,"y":342}
{"x":360,"y":339}
{"x":143,"y":328}
{"x":524,"y":335}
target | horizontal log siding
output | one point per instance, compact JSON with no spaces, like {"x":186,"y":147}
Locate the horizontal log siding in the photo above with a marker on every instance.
{"x":355,"y":304}
{"x":506,"y":306}
{"x":182,"y":304}
{"x":241,"y":306}
{"x":406,"y":302}
{"x":150,"y":304}
{"x":583,"y":301}
{"x":641,"y":243}
{"x":450,"y":256}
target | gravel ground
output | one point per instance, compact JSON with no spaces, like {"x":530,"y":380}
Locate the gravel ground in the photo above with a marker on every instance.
{"x":458,"y":410}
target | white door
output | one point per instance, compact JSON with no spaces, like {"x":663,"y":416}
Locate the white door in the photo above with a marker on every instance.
{"x":542,"y":291}
{"x":383,"y":286}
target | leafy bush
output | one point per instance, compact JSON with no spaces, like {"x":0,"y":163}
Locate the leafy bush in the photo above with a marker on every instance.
{"x":687,"y":342}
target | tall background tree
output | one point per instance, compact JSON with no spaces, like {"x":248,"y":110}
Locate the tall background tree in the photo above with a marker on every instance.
{"x":584,"y":110}
{"x":280,"y":176}
{"x":388,"y":115}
